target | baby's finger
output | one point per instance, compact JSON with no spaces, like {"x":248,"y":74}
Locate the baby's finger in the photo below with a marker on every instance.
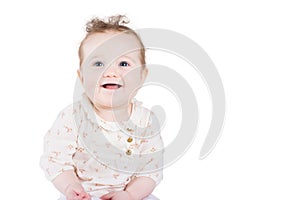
{"x":85,"y":196}
{"x":107,"y":196}
{"x":75,"y":198}
{"x":82,"y":194}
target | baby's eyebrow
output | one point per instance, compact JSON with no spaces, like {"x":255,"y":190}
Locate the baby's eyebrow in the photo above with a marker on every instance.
{"x":127,"y":57}
{"x":101,"y":58}
{"x":97,"y":57}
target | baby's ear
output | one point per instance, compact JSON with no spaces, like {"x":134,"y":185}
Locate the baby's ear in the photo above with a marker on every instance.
{"x":79,"y":75}
{"x":144,"y":74}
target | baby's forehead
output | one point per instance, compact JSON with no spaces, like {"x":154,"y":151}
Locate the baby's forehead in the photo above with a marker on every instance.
{"x":111,"y":43}
{"x":112,"y":56}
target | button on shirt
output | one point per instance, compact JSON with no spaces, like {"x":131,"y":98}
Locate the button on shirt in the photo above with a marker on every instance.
{"x":104,"y":155}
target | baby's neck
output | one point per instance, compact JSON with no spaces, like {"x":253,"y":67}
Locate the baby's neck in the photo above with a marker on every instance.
{"x":118,"y":114}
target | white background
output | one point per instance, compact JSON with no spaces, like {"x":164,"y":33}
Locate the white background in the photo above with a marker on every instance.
{"x":255,"y":46}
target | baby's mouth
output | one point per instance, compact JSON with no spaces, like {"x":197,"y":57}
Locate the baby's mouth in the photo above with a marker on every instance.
{"x":111,"y":86}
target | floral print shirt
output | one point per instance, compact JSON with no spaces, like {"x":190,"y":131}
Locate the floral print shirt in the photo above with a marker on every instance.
{"x":105,"y":156}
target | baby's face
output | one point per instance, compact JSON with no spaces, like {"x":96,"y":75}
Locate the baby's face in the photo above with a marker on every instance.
{"x":111,"y":71}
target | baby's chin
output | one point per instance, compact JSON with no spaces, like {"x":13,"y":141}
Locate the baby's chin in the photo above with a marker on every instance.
{"x":109,"y":103}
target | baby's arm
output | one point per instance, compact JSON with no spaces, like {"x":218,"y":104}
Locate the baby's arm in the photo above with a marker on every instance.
{"x":60,"y":144}
{"x":137,"y":189}
{"x":68,"y":184}
{"x":140,"y":187}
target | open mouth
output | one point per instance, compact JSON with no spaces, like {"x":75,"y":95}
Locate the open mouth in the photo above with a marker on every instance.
{"x":111,"y":86}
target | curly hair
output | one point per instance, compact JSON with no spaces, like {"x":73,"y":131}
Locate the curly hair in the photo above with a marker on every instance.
{"x":115,"y":23}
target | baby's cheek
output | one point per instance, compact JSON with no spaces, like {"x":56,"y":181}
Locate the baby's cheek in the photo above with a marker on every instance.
{"x":90,"y":89}
{"x":133,"y":78}
{"x":135,"y":82}
{"x":90,"y":80}
{"x":132,"y":90}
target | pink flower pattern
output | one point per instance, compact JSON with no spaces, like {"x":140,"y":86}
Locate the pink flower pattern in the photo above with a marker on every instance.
{"x":63,"y":150}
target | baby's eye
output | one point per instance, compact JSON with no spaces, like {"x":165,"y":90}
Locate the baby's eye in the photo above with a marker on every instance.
{"x":124,"y":64}
{"x":98,"y":64}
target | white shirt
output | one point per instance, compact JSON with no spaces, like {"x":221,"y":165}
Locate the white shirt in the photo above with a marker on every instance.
{"x":104,"y":155}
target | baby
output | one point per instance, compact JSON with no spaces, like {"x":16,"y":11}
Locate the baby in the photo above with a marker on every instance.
{"x":107,"y":145}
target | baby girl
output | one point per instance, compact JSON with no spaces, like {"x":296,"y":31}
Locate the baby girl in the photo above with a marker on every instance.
{"x":106,"y":145}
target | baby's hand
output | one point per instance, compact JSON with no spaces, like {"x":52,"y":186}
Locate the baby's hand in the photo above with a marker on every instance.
{"x":76,"y":192}
{"x":121,"y":195}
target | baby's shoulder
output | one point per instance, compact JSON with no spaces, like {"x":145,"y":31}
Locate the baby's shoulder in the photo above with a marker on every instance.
{"x":145,"y":116}
{"x":67,"y":113}
{"x":69,"y":109}
{"x":141,"y":113}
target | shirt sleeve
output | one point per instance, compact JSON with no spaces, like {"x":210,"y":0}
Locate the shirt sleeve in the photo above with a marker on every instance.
{"x":152,"y":152}
{"x":59,"y":145}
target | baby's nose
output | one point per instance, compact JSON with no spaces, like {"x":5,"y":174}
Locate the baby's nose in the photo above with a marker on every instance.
{"x":111,"y":72}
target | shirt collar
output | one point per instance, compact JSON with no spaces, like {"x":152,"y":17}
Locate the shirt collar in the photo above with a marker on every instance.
{"x":127,"y":126}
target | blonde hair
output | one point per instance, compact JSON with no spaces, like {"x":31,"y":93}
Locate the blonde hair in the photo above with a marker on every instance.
{"x":113,"y":23}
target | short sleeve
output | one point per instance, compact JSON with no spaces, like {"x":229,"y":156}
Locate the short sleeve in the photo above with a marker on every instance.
{"x":152,"y":152}
{"x":60,"y":144}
